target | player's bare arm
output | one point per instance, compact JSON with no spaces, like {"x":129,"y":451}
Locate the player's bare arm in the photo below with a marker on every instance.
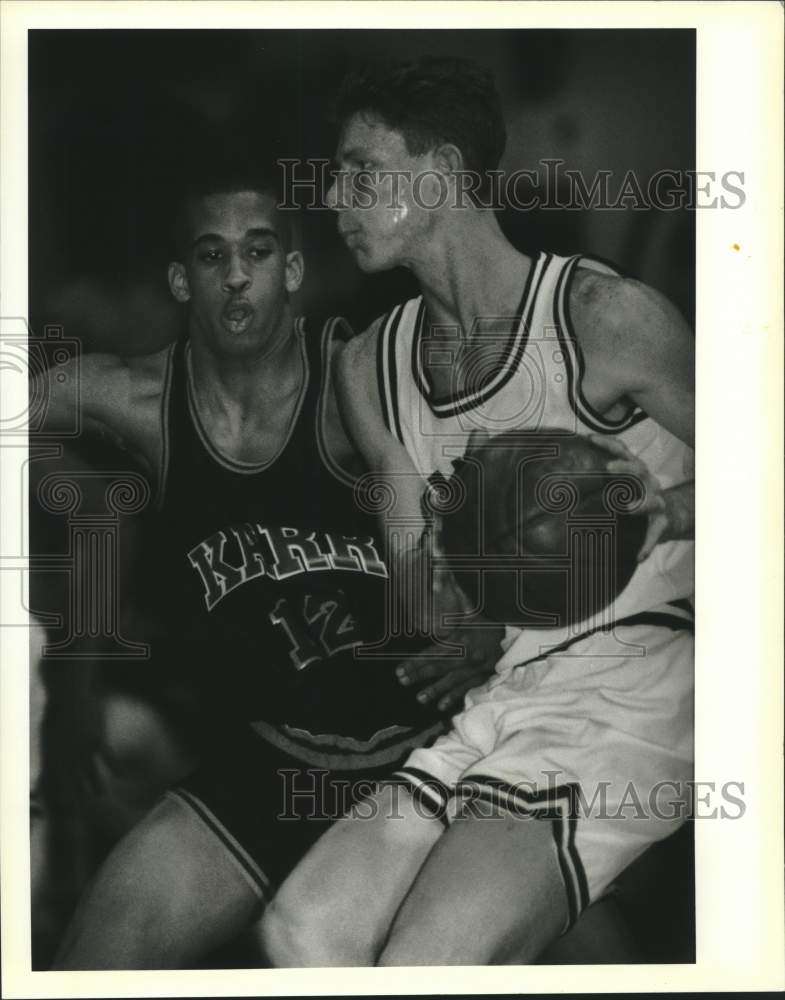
{"x":638,"y":349}
{"x":360,"y":406}
{"x":448,"y":678}
{"x":119,"y":400}
{"x":338,"y":441}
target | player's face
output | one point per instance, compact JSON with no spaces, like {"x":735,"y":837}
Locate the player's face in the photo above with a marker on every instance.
{"x":236,"y":275}
{"x":380,"y":194}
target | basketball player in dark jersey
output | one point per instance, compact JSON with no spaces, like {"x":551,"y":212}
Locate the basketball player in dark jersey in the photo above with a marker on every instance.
{"x":268,"y":575}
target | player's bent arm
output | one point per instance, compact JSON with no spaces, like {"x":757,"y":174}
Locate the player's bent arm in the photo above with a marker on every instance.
{"x":639,"y":344}
{"x":383,"y":454}
{"x":394,"y":480}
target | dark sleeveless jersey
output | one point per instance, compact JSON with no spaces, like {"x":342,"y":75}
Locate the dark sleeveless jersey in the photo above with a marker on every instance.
{"x":271,"y":578}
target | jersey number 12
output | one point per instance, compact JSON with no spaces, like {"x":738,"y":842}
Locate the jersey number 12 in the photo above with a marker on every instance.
{"x":316,"y":630}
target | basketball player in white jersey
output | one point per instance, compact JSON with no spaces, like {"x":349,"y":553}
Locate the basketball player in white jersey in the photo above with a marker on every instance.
{"x":493,"y":843}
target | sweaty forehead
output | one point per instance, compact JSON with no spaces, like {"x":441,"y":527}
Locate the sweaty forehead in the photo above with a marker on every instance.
{"x":231,"y":215}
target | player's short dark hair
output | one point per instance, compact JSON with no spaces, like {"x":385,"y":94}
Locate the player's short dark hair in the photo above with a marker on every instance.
{"x":220,"y":177}
{"x":432,"y":100}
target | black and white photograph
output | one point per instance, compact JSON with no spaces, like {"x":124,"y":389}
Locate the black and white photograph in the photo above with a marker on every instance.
{"x":355,"y":557}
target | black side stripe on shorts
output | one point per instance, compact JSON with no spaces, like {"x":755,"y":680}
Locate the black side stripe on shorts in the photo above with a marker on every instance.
{"x":572,"y":848}
{"x":683,"y":604}
{"x":573,"y":911}
{"x":255,"y":873}
{"x":387,"y":372}
{"x":427,"y":790}
{"x":559,"y":805}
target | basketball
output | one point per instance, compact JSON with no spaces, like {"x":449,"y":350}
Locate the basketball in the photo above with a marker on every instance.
{"x":536,"y":530}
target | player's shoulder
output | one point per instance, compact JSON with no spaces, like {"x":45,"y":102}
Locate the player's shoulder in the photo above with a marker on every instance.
{"x":356,"y":381}
{"x":359,"y":352}
{"x":601,"y":293}
{"x":148,"y":372}
{"x":617,"y":312}
{"x":150,"y":365}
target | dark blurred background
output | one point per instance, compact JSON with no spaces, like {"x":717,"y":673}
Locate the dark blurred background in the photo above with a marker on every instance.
{"x":116,"y":116}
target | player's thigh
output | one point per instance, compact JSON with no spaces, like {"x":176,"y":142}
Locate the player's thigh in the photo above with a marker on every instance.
{"x":167,"y":894}
{"x":490,"y":892}
{"x":336,"y":906}
{"x":139,"y":755}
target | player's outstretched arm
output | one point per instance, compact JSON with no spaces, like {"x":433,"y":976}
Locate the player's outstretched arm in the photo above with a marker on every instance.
{"x":639,"y":346}
{"x":90,"y":382}
{"x":118,"y":399}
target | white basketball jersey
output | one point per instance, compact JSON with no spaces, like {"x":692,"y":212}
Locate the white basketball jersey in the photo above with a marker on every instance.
{"x":528,"y":376}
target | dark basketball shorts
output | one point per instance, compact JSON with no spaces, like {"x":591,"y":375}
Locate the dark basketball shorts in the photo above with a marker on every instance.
{"x":268,"y":808}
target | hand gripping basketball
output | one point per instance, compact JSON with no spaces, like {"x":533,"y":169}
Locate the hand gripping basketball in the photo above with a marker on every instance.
{"x":544,"y":534}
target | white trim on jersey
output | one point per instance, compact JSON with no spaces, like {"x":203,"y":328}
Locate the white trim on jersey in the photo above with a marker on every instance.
{"x":248,"y":468}
{"x":326,"y":334}
{"x":345,"y":753}
{"x":163,"y":464}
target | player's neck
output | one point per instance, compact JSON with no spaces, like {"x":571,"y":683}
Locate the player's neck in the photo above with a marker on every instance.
{"x":248,"y":385}
{"x":471,"y":270}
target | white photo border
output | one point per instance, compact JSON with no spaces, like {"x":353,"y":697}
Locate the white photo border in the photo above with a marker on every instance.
{"x":739,"y":338}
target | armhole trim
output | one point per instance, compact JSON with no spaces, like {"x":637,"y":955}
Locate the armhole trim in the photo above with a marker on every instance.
{"x":328,"y":330}
{"x":163,"y":461}
{"x":387,"y":372}
{"x":575,"y":363}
